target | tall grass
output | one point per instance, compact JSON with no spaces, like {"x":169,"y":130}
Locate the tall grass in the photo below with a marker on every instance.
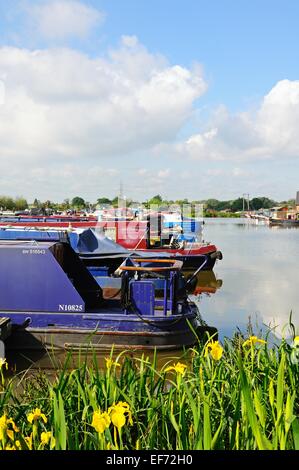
{"x":246,"y":399}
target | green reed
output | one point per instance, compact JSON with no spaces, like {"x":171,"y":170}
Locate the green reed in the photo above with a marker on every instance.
{"x":239,"y":395}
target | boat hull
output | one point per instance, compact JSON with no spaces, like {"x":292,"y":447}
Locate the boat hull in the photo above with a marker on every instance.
{"x":284,"y":223}
{"x":102,"y":331}
{"x":191,"y":260}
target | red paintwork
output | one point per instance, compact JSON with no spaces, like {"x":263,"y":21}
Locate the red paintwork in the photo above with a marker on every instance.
{"x":130,"y":234}
{"x":50,"y":224}
{"x":195,"y":249}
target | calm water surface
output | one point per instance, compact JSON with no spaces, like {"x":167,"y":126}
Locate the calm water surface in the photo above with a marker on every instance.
{"x":259,"y":276}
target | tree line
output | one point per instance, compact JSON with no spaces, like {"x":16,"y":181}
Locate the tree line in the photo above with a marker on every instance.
{"x":78,"y":203}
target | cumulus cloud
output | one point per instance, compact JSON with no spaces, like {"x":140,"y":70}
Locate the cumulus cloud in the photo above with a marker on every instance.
{"x":60,"y":19}
{"x":270,"y":132}
{"x":62,"y":106}
{"x":278,"y":117}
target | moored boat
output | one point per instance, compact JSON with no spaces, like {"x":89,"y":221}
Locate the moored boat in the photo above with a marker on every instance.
{"x":150,"y":237}
{"x":54,"y":303}
{"x":283,"y":222}
{"x":58,"y":222}
{"x":127,"y":238}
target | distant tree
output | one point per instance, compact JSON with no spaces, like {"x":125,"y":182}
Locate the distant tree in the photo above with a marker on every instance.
{"x":261,"y":203}
{"x":65,"y":205}
{"x":182,"y":202}
{"x":237,"y":205}
{"x":211,"y":204}
{"x":156,"y":200}
{"x":47,"y":204}
{"x":114,"y":201}
{"x":36,"y":203}
{"x":78,"y":202}
{"x":104,"y":200}
{"x":7,"y":203}
{"x":20,"y":203}
{"x":290,"y":202}
{"x":214,"y":204}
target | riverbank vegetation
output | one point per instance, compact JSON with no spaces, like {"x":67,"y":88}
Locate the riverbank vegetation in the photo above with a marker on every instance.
{"x":212,"y":207}
{"x":238,"y":395}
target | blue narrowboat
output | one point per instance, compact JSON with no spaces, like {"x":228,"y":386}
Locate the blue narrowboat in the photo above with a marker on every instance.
{"x":54,"y":302}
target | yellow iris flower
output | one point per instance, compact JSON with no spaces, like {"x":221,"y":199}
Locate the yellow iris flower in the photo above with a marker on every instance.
{"x":118,"y":414}
{"x":179,"y":368}
{"x":215,"y":349}
{"x":36,"y":415}
{"x":28,"y":440}
{"x":4,"y":427}
{"x":118,"y":419}
{"x":110,"y":363}
{"x":47,"y":437}
{"x":252,"y":340}
{"x":3,"y":363}
{"x":100,"y":421}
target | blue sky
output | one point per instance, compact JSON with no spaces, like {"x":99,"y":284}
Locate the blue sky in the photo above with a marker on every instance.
{"x":189,"y":99}
{"x":244,"y":46}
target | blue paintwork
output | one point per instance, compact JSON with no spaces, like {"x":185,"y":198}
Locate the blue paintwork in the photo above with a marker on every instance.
{"x":143,"y":295}
{"x":30,"y":234}
{"x":32,"y":279}
{"x":190,"y":226}
{"x":98,"y":271}
{"x":46,"y":285}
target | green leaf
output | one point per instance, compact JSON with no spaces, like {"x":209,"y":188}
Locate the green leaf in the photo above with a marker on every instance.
{"x":295,"y":429}
{"x":207,"y":437}
{"x":262,"y":441}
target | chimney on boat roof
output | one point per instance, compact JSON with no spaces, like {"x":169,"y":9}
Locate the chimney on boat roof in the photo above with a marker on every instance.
{"x":297,"y":198}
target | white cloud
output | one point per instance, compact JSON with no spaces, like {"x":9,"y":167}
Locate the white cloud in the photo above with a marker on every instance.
{"x":65,"y":108}
{"x":230,"y":172}
{"x":130,"y":41}
{"x":270,"y":132}
{"x":278,"y":118}
{"x":59,"y":19}
{"x":164,"y":173}
{"x":2,"y":92}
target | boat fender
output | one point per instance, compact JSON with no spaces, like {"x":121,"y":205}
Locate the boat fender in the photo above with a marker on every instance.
{"x":217,"y":255}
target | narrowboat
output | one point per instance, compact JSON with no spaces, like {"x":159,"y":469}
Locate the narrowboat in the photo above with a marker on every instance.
{"x":283,"y":222}
{"x":53,"y":302}
{"x":142,"y":237}
{"x":50,"y":221}
{"x":148,"y":239}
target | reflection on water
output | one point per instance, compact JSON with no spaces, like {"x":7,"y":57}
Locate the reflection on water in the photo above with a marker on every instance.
{"x":206,"y":283}
{"x":259,"y":272}
{"x":52,"y":362}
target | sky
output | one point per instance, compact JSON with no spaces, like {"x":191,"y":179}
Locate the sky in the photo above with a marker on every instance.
{"x":188,"y":99}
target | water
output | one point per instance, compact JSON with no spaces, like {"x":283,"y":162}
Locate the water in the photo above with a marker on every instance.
{"x":259,"y":276}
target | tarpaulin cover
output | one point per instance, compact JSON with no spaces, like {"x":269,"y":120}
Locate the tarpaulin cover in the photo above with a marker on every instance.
{"x":91,"y":243}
